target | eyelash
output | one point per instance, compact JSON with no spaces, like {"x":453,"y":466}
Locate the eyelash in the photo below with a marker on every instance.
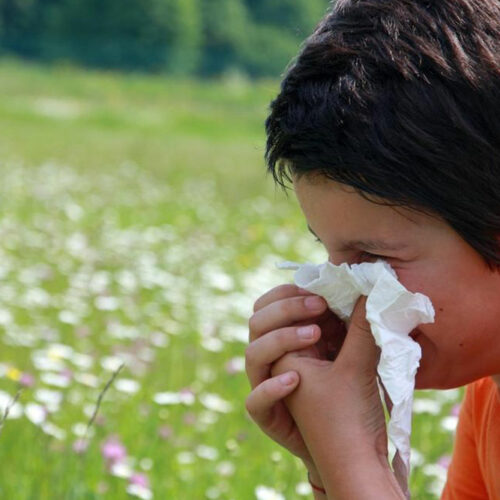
{"x":368,"y":255}
{"x":363,"y":255}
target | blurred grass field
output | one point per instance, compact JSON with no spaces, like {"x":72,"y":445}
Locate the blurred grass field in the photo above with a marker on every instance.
{"x":138,"y":226}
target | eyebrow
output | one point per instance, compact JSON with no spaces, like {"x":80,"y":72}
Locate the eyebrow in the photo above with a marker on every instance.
{"x":368,"y":244}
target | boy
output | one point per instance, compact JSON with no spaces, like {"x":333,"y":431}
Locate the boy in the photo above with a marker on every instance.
{"x":388,"y":125}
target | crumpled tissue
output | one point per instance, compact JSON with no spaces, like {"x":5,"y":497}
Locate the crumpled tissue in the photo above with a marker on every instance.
{"x":392,"y":312}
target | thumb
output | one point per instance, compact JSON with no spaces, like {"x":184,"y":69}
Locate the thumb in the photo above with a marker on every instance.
{"x":359,"y":350}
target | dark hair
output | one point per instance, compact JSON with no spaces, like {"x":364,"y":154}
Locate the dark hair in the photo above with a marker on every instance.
{"x":400,"y":99}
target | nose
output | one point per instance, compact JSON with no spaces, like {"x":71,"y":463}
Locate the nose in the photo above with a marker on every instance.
{"x":337,"y":258}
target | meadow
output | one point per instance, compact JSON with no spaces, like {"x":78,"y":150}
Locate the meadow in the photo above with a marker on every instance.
{"x":137,"y":227}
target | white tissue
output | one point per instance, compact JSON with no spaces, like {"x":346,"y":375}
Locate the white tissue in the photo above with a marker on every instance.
{"x":392,"y":312}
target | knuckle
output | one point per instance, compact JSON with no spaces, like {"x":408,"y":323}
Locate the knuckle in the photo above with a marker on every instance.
{"x":285,"y":307}
{"x":249,"y":354}
{"x":279,"y":367}
{"x":276,"y":293}
{"x":249,"y":405}
{"x":283,"y":364}
{"x":285,"y":289}
{"x":267,"y":390}
{"x":256,"y":304}
{"x":252,"y":323}
{"x":284,"y":336}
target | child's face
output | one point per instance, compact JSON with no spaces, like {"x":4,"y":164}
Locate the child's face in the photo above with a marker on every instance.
{"x":429,"y":257}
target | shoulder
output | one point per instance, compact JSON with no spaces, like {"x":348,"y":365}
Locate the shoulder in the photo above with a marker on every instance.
{"x":481,"y":405}
{"x":482,"y":390}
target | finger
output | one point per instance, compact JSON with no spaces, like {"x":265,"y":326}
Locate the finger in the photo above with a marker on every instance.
{"x":261,"y":401}
{"x":359,"y":350}
{"x":284,"y":313}
{"x":264,"y":351}
{"x":278,"y":293}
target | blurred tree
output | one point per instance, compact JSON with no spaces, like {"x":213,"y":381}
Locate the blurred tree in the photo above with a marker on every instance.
{"x":95,"y":32}
{"x":268,"y":50}
{"x":131,"y":34}
{"x":178,"y":25}
{"x":295,"y":16}
{"x":225,"y":32}
{"x":177,"y":36}
{"x":18,"y":27}
{"x":279,"y":26}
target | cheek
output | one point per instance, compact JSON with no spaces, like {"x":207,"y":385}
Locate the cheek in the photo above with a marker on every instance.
{"x":464,"y":328}
{"x":435,"y":287}
{"x":415,"y":281}
{"x":451,"y":300}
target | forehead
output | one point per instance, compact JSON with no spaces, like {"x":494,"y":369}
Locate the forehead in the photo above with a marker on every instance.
{"x":338,"y":210}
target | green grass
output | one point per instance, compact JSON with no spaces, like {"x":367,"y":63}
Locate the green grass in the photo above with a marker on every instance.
{"x":138,"y":224}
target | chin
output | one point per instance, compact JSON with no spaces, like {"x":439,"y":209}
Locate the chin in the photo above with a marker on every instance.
{"x":421,"y":383}
{"x":424,"y":381}
{"x":429,"y":375}
{"x":427,"y":378}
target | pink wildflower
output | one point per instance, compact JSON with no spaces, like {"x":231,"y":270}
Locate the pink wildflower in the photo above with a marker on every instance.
{"x":235,"y":365}
{"x":66,"y":372}
{"x":100,"y":420}
{"x":186,"y":394}
{"x":27,"y":380}
{"x":455,"y":410}
{"x":189,"y":418}
{"x":165,"y":431}
{"x":113,"y":450}
{"x":80,"y":446}
{"x":139,"y":479}
{"x":444,"y":461}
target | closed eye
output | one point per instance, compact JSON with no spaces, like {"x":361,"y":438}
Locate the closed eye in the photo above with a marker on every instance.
{"x":367,"y":256}
{"x":363,"y":255}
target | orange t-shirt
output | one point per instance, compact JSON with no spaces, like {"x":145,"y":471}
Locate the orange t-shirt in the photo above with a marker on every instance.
{"x":474,"y":471}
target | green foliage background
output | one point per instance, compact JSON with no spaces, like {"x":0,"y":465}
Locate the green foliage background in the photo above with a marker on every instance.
{"x":189,"y":37}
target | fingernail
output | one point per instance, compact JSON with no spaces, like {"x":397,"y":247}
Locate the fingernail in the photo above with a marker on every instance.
{"x":305,"y":332}
{"x":287,"y":378}
{"x":314,"y":303}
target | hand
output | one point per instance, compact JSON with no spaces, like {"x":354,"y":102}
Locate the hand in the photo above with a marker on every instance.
{"x":275,"y":331}
{"x":339,"y":414}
